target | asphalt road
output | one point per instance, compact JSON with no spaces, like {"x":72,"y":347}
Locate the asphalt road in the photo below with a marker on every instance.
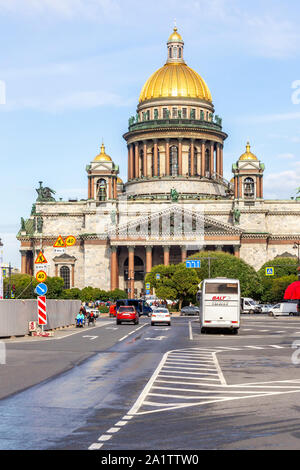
{"x":135,"y":387}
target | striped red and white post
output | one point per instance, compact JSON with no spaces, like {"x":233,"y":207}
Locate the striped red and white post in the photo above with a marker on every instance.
{"x":42,"y":312}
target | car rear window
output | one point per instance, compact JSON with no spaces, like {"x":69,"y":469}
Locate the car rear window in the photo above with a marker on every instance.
{"x":221,"y":288}
{"x":126,"y":309}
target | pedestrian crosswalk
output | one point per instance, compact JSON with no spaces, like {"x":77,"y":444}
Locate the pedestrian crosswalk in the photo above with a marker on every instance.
{"x":193,"y":377}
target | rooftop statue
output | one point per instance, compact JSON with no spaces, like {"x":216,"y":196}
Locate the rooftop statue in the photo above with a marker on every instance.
{"x":44,"y":194}
{"x":174,"y":195}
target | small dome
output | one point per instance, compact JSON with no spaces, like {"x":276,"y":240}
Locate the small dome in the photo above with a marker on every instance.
{"x":119,"y":181}
{"x":248,"y":155}
{"x":102,"y":157}
{"x":175,"y":36}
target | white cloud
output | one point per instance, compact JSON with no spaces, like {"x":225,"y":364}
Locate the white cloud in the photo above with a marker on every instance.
{"x":78,"y":100}
{"x":275,"y":183}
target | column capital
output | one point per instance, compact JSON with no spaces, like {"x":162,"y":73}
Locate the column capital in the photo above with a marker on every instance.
{"x":130,"y":248}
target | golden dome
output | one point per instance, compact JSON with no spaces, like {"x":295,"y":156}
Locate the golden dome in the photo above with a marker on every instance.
{"x":248,"y":155}
{"x":175,"y":80}
{"x":175,"y":36}
{"x":102,"y":157}
{"x":119,"y":181}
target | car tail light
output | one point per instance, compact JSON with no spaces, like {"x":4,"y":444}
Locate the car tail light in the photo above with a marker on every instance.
{"x":234,"y":322}
{"x":207,"y":321}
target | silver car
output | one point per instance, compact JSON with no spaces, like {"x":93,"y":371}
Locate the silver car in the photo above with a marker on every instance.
{"x":189,"y":310}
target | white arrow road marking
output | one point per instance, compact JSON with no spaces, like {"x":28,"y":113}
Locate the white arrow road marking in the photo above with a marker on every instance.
{"x":91,"y":337}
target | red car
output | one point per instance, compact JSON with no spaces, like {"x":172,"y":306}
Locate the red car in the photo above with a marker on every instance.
{"x":127,"y":313}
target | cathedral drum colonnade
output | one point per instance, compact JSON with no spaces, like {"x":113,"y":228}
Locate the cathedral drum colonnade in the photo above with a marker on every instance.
{"x":175,"y":200}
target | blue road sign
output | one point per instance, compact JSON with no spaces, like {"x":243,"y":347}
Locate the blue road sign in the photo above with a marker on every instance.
{"x":157,"y":277}
{"x":147,"y":291}
{"x":148,"y":286}
{"x":270,"y":272}
{"x":41,"y":289}
{"x":193,"y":263}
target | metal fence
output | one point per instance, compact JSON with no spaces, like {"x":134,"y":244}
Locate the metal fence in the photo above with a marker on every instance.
{"x":16,"y":314}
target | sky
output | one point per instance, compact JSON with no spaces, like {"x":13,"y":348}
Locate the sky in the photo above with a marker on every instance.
{"x":71,"y":72}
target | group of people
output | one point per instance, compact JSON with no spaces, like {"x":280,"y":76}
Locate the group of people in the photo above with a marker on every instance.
{"x":83,"y":315}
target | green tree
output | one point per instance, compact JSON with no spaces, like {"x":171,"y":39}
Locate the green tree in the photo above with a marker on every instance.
{"x":176,"y":282}
{"x":278,"y":287}
{"x":24,"y":286}
{"x":227,"y":265}
{"x":282,"y":267}
{"x":117,"y":294}
{"x":55,"y":287}
{"x":73,"y":293}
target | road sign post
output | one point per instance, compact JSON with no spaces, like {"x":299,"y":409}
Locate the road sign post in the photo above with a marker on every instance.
{"x":42,"y":312}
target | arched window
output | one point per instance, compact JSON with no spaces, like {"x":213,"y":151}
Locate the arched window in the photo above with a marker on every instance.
{"x":174,"y":160}
{"x":65,"y":274}
{"x":249,"y":188}
{"x":101,"y":190}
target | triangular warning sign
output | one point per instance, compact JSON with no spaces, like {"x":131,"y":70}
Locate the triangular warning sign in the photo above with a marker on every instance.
{"x":41,"y":259}
{"x":60,"y":243}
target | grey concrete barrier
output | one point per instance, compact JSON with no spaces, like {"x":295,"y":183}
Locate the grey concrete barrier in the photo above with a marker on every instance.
{"x":16,"y":314}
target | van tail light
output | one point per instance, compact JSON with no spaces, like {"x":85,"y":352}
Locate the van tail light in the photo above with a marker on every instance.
{"x":234,"y":322}
{"x":207,"y":321}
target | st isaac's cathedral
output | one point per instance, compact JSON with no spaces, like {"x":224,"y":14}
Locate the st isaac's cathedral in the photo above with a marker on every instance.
{"x":175,"y":201}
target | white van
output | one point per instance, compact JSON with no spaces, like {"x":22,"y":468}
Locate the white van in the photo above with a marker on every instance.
{"x":219,"y":301}
{"x":249,"y":305}
{"x":284,"y":308}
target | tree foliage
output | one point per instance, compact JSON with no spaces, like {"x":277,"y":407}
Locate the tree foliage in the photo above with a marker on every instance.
{"x":283,"y":267}
{"x":24,"y":286}
{"x":176,"y":282}
{"x":227,"y":265}
{"x":277,"y":289}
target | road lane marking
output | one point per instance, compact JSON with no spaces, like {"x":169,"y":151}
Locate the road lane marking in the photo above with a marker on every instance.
{"x":190,"y":331}
{"x":206,"y":390}
{"x":134,"y":331}
{"x":104,"y":437}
